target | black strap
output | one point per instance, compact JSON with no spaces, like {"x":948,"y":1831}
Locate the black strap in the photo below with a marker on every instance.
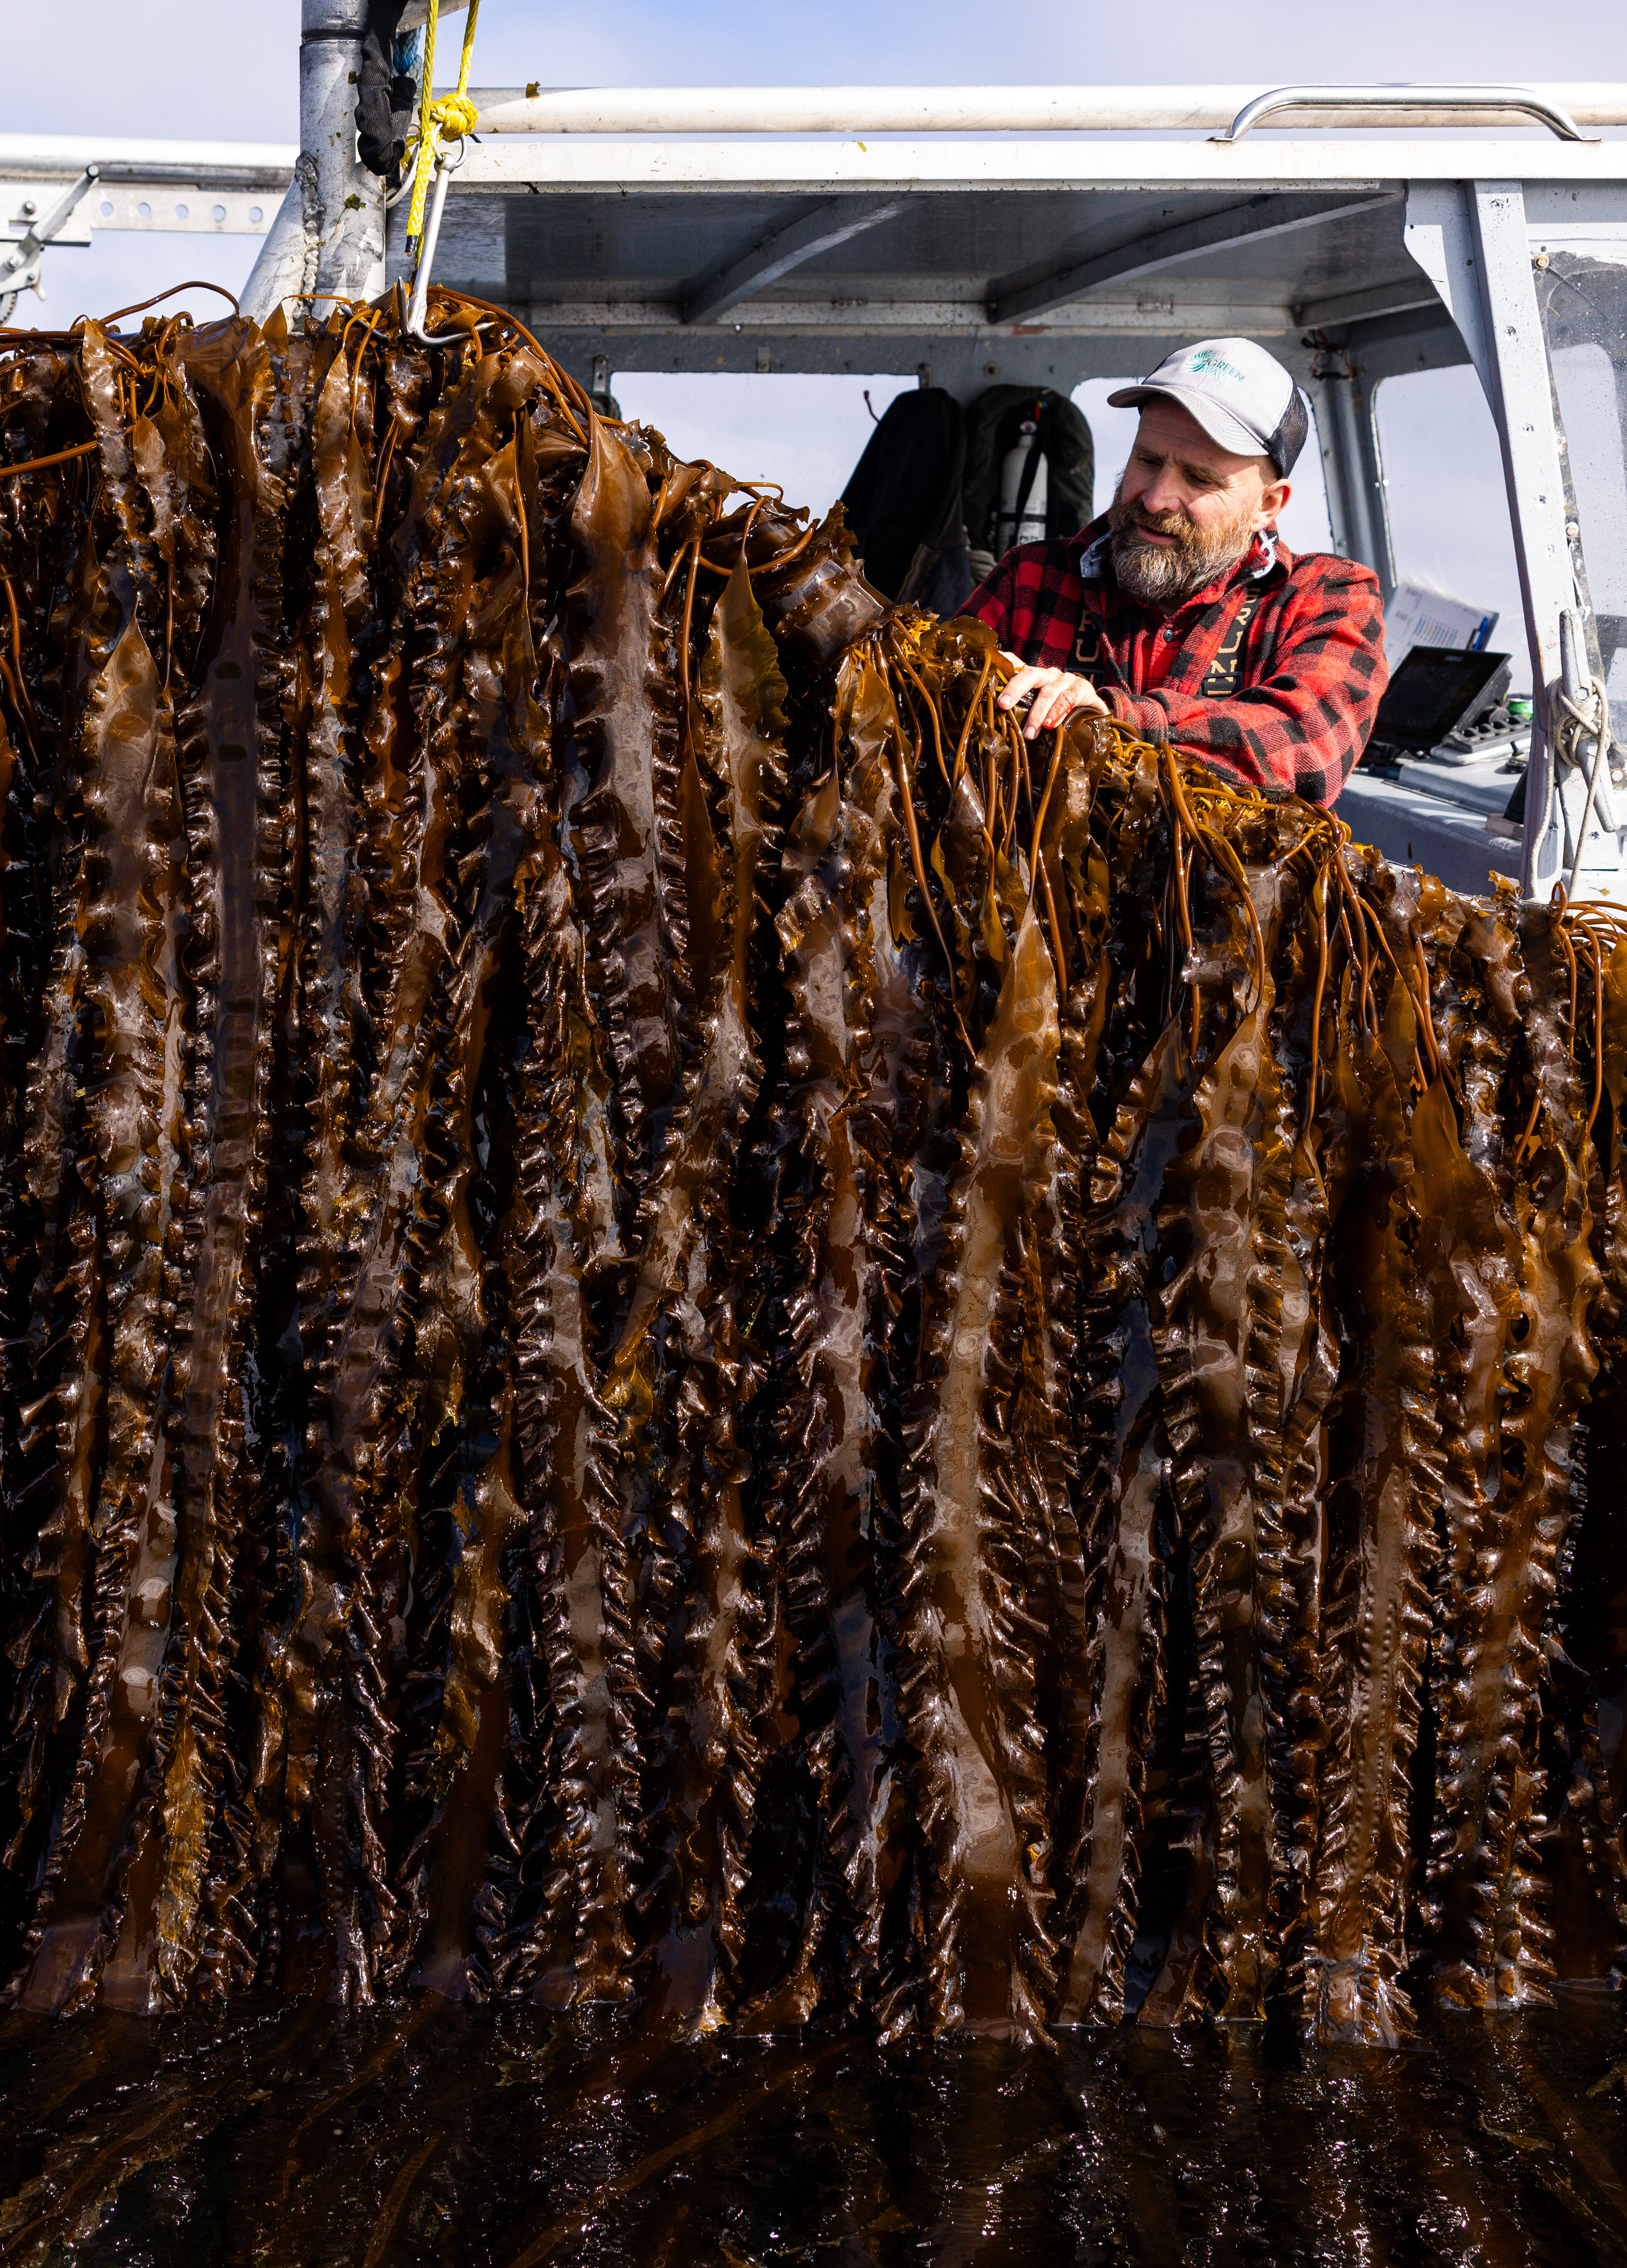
{"x":1220,"y":678}
{"x":1025,"y":484}
{"x":1091,"y":657}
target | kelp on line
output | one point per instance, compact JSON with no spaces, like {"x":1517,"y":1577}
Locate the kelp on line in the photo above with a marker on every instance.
{"x":683,"y":1327}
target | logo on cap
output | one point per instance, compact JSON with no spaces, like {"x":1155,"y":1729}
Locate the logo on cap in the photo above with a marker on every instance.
{"x":1207,"y":359}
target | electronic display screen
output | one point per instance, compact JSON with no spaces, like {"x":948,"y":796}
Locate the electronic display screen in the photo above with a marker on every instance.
{"x":1433,"y":688}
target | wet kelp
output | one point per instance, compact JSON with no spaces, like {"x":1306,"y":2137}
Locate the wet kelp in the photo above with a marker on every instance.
{"x":684,"y":1329}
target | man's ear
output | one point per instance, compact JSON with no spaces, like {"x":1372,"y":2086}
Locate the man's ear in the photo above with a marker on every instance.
{"x":1273,"y":500}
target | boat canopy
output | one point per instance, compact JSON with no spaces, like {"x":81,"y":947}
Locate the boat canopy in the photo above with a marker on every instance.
{"x":977,"y":236}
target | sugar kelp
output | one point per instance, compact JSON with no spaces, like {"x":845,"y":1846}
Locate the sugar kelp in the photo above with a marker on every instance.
{"x":684,"y":1327}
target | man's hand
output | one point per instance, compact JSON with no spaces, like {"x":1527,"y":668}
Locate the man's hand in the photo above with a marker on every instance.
{"x":1056,"y":696}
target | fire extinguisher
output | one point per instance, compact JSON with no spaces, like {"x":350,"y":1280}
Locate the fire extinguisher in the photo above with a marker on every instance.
{"x":1025,"y":481}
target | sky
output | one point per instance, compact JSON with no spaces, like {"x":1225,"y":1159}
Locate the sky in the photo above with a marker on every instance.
{"x":228,"y":70}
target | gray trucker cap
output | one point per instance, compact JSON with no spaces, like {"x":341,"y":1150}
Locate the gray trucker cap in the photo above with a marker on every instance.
{"x":1241,"y":397}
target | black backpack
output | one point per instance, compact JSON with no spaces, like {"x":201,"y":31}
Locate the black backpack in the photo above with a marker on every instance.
{"x":992,"y":425}
{"x":903,"y":501}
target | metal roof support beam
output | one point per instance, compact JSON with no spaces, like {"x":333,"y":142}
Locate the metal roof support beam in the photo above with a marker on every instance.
{"x":1354,"y":442}
{"x":1364,"y":305}
{"x":1521,"y":394}
{"x":1471,"y":240}
{"x":1263,"y":216}
{"x":785,"y":248}
{"x":887,"y":317}
{"x":1418,"y":338}
{"x":215,"y":165}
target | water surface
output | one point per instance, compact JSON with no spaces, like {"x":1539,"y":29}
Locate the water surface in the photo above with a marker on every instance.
{"x":423,"y":2133}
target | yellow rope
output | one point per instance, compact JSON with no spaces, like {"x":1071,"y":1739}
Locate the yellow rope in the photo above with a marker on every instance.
{"x":455,"y":113}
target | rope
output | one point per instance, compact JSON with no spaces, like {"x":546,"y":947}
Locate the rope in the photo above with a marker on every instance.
{"x":1592,"y":723}
{"x":453,"y":114}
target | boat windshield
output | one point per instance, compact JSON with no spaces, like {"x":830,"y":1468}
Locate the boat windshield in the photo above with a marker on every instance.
{"x":1584,"y":307}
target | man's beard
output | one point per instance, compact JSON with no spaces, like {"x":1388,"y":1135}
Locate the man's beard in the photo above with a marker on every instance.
{"x":1167,"y":574}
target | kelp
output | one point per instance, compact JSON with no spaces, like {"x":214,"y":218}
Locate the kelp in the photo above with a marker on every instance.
{"x":684,"y":1327}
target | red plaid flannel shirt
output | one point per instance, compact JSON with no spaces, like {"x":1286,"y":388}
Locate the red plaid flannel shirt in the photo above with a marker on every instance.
{"x":1310,"y":673}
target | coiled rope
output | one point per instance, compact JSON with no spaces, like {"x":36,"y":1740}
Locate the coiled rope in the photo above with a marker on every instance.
{"x":448,"y":113}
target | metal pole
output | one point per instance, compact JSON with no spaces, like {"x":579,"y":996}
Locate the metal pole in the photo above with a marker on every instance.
{"x":1522,"y":395}
{"x":351,"y":234}
{"x":1375,"y":490}
{"x":329,"y":237}
{"x":1471,"y":240}
{"x":1340,"y":395}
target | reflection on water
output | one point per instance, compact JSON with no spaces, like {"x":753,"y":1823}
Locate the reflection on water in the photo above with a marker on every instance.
{"x":425,"y":2132}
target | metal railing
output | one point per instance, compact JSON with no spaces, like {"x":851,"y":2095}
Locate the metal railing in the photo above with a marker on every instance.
{"x":860,"y":110}
{"x":1407,"y":103}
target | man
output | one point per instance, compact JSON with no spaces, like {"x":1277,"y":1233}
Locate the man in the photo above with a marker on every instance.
{"x":1181,"y":613}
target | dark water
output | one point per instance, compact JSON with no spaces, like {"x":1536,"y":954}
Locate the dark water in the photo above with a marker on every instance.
{"x":423,"y":2133}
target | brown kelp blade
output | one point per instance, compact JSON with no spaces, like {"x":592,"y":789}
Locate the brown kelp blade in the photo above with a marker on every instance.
{"x":681,"y":1328}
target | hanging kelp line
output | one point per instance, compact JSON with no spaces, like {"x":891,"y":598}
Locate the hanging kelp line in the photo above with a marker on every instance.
{"x":682,"y":1328}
